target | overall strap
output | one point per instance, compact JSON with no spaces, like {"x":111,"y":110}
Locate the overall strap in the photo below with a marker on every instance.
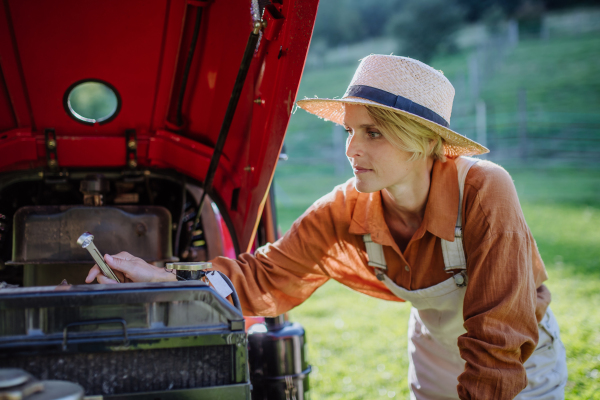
{"x":454,"y":253}
{"x":375,"y":253}
{"x":376,"y":256}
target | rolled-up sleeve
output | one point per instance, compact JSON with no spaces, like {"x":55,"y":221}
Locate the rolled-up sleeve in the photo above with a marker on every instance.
{"x":500,"y":301}
{"x":500,"y":320}
{"x":282,"y":275}
{"x":318,"y":247}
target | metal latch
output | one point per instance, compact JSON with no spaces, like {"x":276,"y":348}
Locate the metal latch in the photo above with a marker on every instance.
{"x":53,"y":173}
{"x":131,"y":148}
{"x":51,"y":157}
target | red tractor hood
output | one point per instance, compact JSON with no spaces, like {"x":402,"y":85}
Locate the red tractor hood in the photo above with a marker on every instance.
{"x":140,"y":48}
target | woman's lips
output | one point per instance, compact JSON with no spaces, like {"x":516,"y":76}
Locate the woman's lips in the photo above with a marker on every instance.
{"x":360,"y":170}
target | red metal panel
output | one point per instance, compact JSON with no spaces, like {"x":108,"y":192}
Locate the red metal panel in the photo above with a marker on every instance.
{"x":282,"y":69}
{"x":7,"y":116}
{"x":172,"y":32}
{"x":16,"y":93}
{"x":169,"y":150}
{"x":17,"y":146}
{"x":73,"y":151}
{"x":140,"y":47}
{"x":112,"y":40}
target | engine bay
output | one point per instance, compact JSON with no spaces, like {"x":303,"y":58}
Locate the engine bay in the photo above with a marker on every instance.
{"x":150,"y":215}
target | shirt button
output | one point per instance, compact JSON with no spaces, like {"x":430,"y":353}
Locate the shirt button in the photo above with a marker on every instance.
{"x":406,"y":268}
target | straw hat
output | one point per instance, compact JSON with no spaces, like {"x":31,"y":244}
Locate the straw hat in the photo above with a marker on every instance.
{"x":403,"y":85}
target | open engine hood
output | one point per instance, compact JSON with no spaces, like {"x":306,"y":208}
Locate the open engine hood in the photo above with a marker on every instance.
{"x":140,"y":47}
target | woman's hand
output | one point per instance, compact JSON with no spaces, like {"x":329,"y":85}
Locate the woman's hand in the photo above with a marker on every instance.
{"x":129,"y":269}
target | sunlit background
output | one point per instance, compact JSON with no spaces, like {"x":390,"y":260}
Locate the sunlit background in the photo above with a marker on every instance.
{"x":527,"y":80}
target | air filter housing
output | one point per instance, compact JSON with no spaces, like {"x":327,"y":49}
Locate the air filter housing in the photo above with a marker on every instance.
{"x":127,"y":340}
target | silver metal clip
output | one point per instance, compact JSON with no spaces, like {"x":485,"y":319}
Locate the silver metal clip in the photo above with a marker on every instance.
{"x":379,"y":274}
{"x":461,"y":279}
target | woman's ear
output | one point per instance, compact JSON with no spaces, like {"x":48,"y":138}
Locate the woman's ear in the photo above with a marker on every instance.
{"x":436,"y":149}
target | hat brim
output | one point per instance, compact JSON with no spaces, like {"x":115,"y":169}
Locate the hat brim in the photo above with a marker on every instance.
{"x":455,"y":144}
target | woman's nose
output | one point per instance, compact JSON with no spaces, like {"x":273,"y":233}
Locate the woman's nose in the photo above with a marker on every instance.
{"x":353,"y":148}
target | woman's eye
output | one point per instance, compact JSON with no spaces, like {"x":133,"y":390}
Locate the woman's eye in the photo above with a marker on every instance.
{"x":374,"y":135}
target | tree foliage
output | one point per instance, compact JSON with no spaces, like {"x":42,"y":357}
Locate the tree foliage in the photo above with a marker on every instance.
{"x":426,"y":27}
{"x":347,"y":21}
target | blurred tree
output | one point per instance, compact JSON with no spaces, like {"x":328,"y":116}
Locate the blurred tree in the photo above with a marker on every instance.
{"x":476,"y":9}
{"x":493,"y":19}
{"x":339,"y":22}
{"x":348,"y":21}
{"x":375,"y":15}
{"x":426,"y":27}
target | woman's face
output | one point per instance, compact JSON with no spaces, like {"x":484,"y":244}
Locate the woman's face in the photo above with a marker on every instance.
{"x":377,"y":164}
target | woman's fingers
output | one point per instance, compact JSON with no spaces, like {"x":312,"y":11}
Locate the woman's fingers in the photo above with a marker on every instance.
{"x":129,"y":268}
{"x":118,"y":263}
{"x":104,"y":280}
{"x":96,"y":273}
{"x":134,"y":268}
{"x":92,"y":274}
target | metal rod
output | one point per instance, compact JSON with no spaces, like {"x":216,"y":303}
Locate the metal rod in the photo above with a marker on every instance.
{"x":231,"y":107}
{"x":181,"y":216}
{"x":86,"y":240}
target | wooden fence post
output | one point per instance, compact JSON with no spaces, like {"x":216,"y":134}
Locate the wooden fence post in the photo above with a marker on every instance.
{"x":481,"y":123}
{"x":522,"y":115}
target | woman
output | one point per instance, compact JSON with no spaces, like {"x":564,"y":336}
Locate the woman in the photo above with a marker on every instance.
{"x":418,"y":222}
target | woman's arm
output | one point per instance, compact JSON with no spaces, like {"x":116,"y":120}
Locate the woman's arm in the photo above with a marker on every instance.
{"x":501,"y":301}
{"x":281,"y":275}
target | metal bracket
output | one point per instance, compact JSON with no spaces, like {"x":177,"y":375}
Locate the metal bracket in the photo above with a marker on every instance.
{"x":51,"y":157}
{"x":53,"y":173}
{"x":131,"y":145}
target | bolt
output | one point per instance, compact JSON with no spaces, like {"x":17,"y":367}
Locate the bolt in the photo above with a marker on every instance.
{"x":132,"y":144}
{"x":140,"y":229}
{"x":132,"y":163}
{"x":51,"y":144}
{"x":257,"y":27}
{"x":86,"y":240}
{"x":52,"y":163}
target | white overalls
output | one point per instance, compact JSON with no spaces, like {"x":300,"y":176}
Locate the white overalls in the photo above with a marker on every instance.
{"x":436,"y":322}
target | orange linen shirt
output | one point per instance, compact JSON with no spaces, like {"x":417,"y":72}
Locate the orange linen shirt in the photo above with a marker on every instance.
{"x":503,"y":265}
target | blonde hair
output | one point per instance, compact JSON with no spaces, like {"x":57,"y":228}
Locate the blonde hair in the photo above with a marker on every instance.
{"x":407,"y":134}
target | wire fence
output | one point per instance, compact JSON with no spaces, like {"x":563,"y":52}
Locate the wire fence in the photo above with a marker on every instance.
{"x":534,"y":137}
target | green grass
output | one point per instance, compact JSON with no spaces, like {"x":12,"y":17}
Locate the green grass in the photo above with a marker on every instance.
{"x":357,"y":344}
{"x":553,"y":73}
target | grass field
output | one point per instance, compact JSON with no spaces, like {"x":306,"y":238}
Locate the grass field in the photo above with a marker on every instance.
{"x":357,"y":345}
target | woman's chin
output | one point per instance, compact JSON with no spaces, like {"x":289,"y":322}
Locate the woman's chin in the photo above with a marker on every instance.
{"x":365,"y":187}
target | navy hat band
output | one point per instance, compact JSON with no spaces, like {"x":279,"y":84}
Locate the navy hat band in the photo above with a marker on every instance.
{"x":398,"y":102}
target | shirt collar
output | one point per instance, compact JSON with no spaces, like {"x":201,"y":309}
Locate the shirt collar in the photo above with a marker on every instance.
{"x":442,"y":205}
{"x":441,"y":210}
